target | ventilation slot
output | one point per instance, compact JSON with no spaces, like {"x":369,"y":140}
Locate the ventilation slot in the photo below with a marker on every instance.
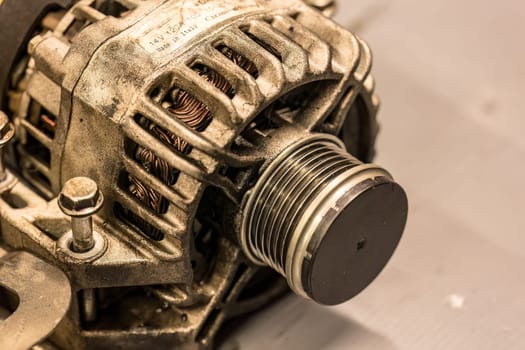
{"x":209,"y":326}
{"x":42,"y":120}
{"x":146,"y":195}
{"x":84,"y":16}
{"x":215,"y":79}
{"x":288,"y":109}
{"x":112,"y":8}
{"x":40,"y":126}
{"x":319,"y":52}
{"x":168,"y":138}
{"x":184,"y":106}
{"x":137,"y":222}
{"x":38,"y":179}
{"x":265,"y":45}
{"x":76,"y":27}
{"x":239,"y":60}
{"x":34,"y":148}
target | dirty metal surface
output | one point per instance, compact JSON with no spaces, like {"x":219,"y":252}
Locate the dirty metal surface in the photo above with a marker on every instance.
{"x":43,"y":294}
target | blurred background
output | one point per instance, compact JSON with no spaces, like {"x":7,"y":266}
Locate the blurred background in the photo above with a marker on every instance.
{"x":450,"y":75}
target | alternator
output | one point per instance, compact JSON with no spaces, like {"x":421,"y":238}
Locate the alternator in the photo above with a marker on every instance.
{"x":177,"y":163}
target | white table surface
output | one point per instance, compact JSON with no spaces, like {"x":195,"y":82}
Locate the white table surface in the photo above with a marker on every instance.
{"x":451,"y":75}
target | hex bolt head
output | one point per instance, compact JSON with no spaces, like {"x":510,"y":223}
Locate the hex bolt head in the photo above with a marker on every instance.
{"x":80,"y":199}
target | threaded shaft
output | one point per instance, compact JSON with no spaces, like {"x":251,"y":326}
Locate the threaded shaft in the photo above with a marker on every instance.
{"x":281,"y":202}
{"x":312,"y":213}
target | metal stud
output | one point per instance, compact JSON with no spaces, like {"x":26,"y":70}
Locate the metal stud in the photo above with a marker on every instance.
{"x":81,"y":199}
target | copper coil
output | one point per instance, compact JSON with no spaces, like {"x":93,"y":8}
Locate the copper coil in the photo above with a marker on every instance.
{"x":197,"y":116}
{"x":190,"y":110}
{"x":48,"y":121}
{"x":151,"y":198}
{"x":218,"y":81}
{"x":139,"y":190}
{"x":146,"y":194}
{"x":240,"y":60}
{"x":156,"y":166}
{"x":44,"y":121}
{"x":157,"y":202}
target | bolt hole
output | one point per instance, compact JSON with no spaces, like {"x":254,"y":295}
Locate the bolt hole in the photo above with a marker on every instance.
{"x":361,"y":244}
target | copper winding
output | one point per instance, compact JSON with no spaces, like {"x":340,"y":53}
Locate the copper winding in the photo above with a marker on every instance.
{"x":241,"y":61}
{"x":196,"y":115}
{"x":48,"y":123}
{"x":44,"y":120}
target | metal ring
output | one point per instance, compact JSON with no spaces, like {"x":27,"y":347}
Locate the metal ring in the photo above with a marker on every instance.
{"x":65,"y":242}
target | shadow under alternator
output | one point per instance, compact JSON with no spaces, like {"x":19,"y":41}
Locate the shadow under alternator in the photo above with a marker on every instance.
{"x":293,"y":323}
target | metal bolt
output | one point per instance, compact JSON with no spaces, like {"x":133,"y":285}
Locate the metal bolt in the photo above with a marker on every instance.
{"x":81,"y":199}
{"x":7,"y":132}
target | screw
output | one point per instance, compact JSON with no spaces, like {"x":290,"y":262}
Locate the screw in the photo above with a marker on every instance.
{"x":81,"y":199}
{"x":7,"y":132}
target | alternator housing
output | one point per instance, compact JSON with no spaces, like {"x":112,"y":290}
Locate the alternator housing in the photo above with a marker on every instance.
{"x":97,"y":89}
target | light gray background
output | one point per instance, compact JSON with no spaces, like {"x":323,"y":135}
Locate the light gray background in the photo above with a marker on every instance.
{"x":451,"y":76}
